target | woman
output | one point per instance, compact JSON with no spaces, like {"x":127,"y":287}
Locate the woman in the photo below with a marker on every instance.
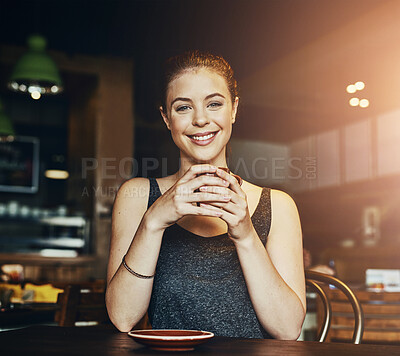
{"x":202,"y":251}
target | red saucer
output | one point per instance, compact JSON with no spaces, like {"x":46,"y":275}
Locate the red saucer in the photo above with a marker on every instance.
{"x":171,"y":340}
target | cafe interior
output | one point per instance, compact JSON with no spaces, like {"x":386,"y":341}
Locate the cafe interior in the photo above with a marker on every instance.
{"x":319,"y":118}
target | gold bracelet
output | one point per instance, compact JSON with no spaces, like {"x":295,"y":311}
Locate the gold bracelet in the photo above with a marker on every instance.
{"x":130,"y":270}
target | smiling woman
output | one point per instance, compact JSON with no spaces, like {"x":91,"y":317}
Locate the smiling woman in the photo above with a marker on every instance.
{"x":208,"y":252}
{"x":201,"y":114}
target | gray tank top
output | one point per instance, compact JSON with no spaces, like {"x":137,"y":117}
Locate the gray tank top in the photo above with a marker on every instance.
{"x":199,"y":283}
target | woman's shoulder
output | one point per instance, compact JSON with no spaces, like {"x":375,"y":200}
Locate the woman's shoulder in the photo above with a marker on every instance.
{"x":133,"y":193}
{"x":131,"y":200}
{"x":280,"y":200}
{"x":134,"y":188}
{"x":281,"y":197}
{"x":138,"y":188}
{"x":256,"y":196}
{"x":251,"y":188}
{"x":284,"y":210}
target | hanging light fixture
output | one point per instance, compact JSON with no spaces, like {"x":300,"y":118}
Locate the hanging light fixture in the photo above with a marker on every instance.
{"x":35,"y":72}
{"x":6,"y":127}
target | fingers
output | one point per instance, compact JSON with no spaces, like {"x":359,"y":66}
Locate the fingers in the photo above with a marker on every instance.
{"x":228,"y":217}
{"x":207,"y":180}
{"x":197,"y":169}
{"x":238,"y":208}
{"x":197,"y":176}
{"x":188,"y":187}
{"x":226,"y":206}
{"x":232,"y":202}
{"x":204,"y":211}
{"x":233,"y":183}
{"x":217,"y":193}
{"x":222,"y":191}
{"x":216,"y":189}
{"x":199,"y":197}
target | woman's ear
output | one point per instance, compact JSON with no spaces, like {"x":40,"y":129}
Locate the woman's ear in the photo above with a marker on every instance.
{"x":165,"y":117}
{"x":234,"y":109}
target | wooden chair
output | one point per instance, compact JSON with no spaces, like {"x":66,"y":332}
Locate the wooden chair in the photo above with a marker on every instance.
{"x":381,"y":316}
{"x":313,"y":281}
{"x":77,"y":305}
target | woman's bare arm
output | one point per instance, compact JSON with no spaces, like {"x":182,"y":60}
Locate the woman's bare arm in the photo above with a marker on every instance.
{"x":127,"y":297}
{"x":274,"y":274}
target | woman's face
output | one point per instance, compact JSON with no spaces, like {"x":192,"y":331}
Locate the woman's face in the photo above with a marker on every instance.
{"x":199,"y":114}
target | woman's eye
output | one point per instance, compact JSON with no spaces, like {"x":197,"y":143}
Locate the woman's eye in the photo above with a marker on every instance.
{"x":214,"y":105}
{"x":183,"y":108}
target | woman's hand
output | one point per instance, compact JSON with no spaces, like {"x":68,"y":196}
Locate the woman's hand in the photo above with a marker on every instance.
{"x":185,"y":198}
{"x":235,"y":211}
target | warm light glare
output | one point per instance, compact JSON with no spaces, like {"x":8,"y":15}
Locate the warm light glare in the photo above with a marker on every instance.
{"x":56,"y":174}
{"x":359,"y":85}
{"x":354,"y":101}
{"x":364,"y":103}
{"x":351,"y":88}
{"x":35,"y":95}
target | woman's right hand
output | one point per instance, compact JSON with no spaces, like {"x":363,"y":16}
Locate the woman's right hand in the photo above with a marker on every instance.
{"x":183,"y":197}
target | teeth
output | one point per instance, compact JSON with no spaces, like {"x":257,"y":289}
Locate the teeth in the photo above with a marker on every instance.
{"x":203,"y":138}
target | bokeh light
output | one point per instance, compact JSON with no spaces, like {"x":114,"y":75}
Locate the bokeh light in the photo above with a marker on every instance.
{"x":364,"y":103}
{"x":351,"y":88}
{"x":359,"y":85}
{"x":354,"y":101}
{"x":35,"y":95}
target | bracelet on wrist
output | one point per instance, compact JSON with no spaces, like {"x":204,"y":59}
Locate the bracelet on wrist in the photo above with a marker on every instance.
{"x":131,"y":271}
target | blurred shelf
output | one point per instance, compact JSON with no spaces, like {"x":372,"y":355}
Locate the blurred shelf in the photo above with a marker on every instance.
{"x":48,"y":242}
{"x":37,"y":259}
{"x":73,"y":221}
{"x":50,"y":236}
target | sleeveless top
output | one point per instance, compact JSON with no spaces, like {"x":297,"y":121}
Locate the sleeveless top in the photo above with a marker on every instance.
{"x":199,"y":283}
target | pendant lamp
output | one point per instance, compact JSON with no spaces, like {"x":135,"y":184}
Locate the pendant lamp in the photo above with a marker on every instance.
{"x":35,"y":72}
{"x":6,"y":127}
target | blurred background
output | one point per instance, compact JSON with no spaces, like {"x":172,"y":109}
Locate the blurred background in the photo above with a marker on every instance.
{"x":319,"y":118}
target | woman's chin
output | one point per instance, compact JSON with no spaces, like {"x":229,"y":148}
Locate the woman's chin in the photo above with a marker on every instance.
{"x":205,"y":157}
{"x":201,"y":160}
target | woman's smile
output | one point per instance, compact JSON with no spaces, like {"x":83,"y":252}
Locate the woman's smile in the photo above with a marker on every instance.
{"x":203,"y":138}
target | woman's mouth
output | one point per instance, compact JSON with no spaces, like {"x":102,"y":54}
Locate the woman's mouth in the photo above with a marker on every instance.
{"x":204,"y":138}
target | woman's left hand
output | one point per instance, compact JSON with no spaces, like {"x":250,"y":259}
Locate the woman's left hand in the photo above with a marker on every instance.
{"x":235,"y":212}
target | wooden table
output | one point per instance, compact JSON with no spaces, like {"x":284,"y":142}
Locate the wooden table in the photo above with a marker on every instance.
{"x":106,"y":340}
{"x":27,"y":314}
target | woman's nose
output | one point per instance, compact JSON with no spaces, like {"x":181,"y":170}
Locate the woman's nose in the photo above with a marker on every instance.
{"x":200,"y":118}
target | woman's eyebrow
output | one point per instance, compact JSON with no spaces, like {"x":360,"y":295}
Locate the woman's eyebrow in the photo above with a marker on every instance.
{"x":180,"y":99}
{"x":214,"y":94}
{"x":188,"y":99}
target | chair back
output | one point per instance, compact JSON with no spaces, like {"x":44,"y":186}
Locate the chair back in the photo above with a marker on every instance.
{"x":77,"y":305}
{"x":313,"y":280}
